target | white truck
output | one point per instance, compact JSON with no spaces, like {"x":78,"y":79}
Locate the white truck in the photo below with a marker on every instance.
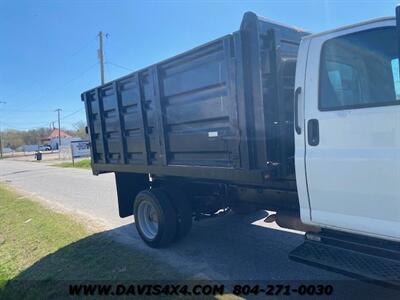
{"x":269,"y":117}
{"x":347,"y":149}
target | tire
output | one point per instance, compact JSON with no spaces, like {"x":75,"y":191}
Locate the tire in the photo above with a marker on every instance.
{"x":183,"y":210}
{"x":155,"y":204}
{"x":243,"y":208}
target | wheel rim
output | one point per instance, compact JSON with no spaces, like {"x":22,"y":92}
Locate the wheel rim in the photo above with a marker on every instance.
{"x":148,"y":219}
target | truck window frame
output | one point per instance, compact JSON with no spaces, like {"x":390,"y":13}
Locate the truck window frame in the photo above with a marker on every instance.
{"x":352,"y":106}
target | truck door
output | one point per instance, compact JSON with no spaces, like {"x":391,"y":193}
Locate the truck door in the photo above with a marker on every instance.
{"x":352,"y":130}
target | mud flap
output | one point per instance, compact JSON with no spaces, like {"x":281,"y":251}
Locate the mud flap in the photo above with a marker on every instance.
{"x":128,"y":186}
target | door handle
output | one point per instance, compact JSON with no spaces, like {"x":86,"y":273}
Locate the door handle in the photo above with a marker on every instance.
{"x":296,"y":110}
{"x":313,"y":132}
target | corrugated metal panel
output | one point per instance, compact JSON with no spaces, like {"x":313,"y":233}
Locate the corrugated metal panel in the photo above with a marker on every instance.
{"x":226,"y":105}
{"x":196,"y":105}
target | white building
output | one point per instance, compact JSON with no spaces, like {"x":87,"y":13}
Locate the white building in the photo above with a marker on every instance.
{"x":53,"y":139}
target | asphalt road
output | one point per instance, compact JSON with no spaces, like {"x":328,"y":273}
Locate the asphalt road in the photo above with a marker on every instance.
{"x":227,"y":248}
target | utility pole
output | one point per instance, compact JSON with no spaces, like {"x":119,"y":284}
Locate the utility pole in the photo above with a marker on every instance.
{"x":101,"y":57}
{"x":1,"y":135}
{"x":58,"y":110}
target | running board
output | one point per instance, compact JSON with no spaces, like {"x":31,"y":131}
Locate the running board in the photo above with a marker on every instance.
{"x":364,"y":258}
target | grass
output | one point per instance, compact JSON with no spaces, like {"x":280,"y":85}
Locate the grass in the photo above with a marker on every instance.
{"x":42,"y":251}
{"x":83,"y":164}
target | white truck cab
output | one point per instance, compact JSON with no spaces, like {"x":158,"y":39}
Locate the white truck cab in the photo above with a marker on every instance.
{"x":347,"y":140}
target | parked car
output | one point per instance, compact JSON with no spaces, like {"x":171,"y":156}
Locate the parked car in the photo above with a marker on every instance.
{"x":45,"y":148}
{"x":7,"y":150}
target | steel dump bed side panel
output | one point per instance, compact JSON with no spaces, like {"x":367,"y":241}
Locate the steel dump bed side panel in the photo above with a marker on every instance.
{"x":221,"y":111}
{"x":181,"y":112}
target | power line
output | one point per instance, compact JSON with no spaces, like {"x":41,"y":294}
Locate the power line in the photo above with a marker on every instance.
{"x":25,"y":124}
{"x":28,"y":111}
{"x":40,"y":98}
{"x":90,"y":41}
{"x":63,"y":86}
{"x":21,"y":114}
{"x":119,"y":66}
{"x":73,"y":113}
{"x":17,"y":126}
{"x":113,"y":63}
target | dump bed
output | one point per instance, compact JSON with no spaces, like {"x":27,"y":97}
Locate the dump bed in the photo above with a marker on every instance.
{"x":221,"y":111}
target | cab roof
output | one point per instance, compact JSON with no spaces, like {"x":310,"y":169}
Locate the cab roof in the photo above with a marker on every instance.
{"x":371,"y":21}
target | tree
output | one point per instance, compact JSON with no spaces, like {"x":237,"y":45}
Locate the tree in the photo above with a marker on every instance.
{"x":16,"y":138}
{"x":80,"y":127}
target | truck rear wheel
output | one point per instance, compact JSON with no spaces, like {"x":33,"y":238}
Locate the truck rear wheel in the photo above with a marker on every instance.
{"x":155,"y":218}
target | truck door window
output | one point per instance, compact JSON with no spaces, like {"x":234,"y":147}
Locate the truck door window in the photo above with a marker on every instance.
{"x":360,"y":70}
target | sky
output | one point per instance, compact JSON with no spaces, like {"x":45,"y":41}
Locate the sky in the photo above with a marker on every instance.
{"x":48,"y":49}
